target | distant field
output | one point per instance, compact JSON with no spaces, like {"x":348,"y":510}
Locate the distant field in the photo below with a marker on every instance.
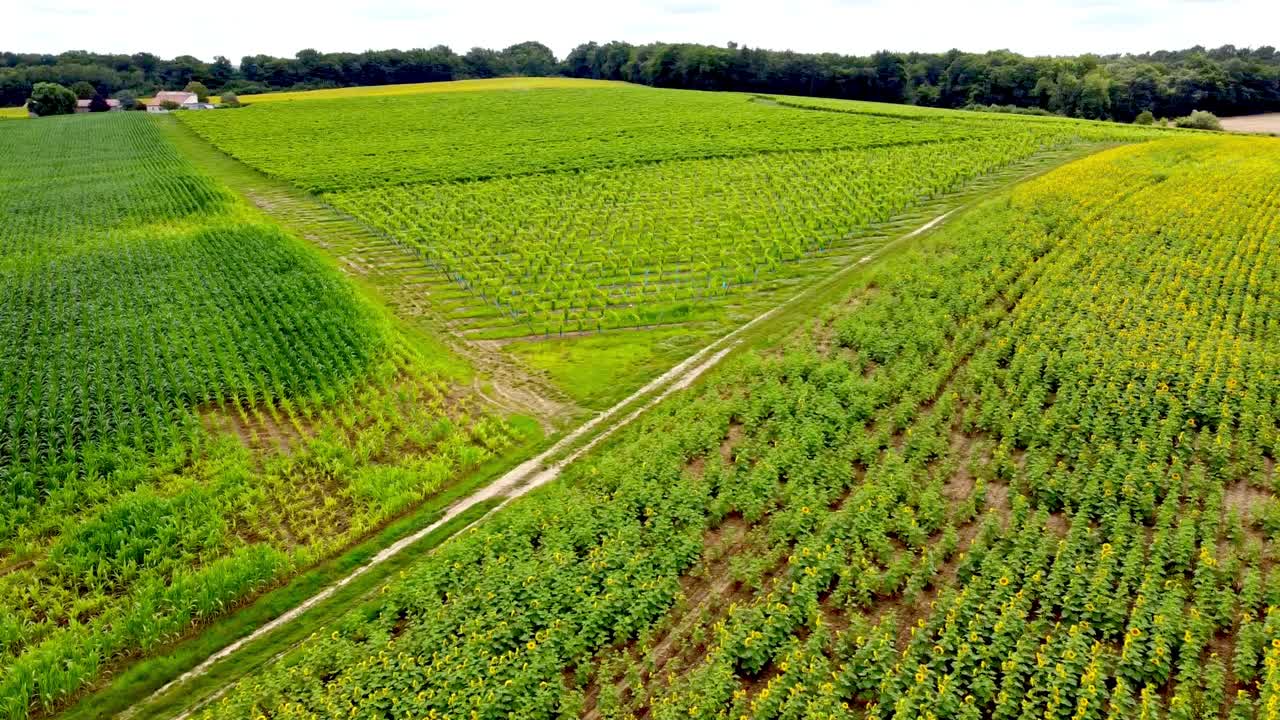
{"x":364,"y":142}
{"x":13,"y":113}
{"x":511,"y":83}
{"x":651,"y":243}
{"x":584,"y":209}
{"x":1265,"y":123}
{"x":916,"y":111}
{"x":491,"y":84}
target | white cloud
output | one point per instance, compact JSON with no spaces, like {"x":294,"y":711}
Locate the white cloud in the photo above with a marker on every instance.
{"x":282,"y":27}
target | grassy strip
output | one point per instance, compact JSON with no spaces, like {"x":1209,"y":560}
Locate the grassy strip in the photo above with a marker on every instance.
{"x":168,"y":662}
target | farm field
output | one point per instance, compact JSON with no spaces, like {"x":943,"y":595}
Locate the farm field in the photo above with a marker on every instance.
{"x":456,"y":86}
{"x":359,"y":142}
{"x":13,"y":113}
{"x":1264,"y":123}
{"x":259,"y":346}
{"x":196,"y":405}
{"x":554,"y":213}
{"x":1021,"y":467}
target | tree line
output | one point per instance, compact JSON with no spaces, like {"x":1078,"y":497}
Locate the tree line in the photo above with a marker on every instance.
{"x":1225,"y":80}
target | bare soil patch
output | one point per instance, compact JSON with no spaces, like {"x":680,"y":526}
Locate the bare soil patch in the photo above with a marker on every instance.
{"x":960,"y":485}
{"x":257,"y":429}
{"x":1245,"y":499}
{"x":1264,"y":123}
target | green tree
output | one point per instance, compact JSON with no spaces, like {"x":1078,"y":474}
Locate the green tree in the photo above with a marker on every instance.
{"x":1199,"y":120}
{"x":229,"y":99}
{"x":221,"y":71}
{"x":927,"y":94}
{"x":98,"y":104}
{"x":1145,"y":118}
{"x":83,"y":90}
{"x":531,"y":59}
{"x":1066,"y":94}
{"x":128,"y":101}
{"x":51,"y":99}
{"x":1095,"y":96}
{"x":202,"y":92}
{"x":480,"y":63}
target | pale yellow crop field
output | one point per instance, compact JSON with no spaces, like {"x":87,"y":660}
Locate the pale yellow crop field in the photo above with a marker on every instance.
{"x":509,"y":83}
{"x":13,"y":113}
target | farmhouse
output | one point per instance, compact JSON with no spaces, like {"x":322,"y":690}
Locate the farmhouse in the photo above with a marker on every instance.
{"x":184,"y":100}
{"x":113,"y":105}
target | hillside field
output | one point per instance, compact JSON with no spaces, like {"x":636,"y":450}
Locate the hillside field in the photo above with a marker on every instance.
{"x":1023,"y":469}
{"x":582,"y":209}
{"x":759,"y":407}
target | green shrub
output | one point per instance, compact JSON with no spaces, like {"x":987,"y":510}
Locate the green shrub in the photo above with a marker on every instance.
{"x":1199,"y":120}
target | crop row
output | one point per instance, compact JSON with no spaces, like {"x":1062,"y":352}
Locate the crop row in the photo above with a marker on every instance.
{"x":612,"y":248}
{"x":1004,"y":480}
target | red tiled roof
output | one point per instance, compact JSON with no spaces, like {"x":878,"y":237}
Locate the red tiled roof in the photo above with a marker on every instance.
{"x":111,"y":102}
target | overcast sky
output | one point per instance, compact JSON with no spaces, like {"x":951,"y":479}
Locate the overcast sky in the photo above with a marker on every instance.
{"x":282,"y":27}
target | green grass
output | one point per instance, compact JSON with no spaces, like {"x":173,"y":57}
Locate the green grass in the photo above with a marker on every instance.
{"x":600,"y":369}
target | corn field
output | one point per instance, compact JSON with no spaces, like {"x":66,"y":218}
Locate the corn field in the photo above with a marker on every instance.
{"x":193,"y":405}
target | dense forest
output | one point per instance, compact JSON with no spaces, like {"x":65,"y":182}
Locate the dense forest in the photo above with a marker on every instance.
{"x":1225,"y":80}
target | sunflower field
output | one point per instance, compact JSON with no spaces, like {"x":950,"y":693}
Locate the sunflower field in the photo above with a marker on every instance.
{"x":1025,"y":469}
